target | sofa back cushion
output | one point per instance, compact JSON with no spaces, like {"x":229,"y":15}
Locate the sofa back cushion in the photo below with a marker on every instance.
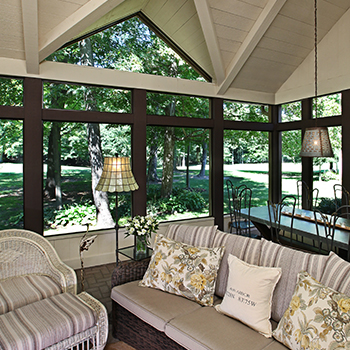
{"x":291,"y":261}
{"x":244,"y":248}
{"x":337,"y":274}
{"x":198,"y":236}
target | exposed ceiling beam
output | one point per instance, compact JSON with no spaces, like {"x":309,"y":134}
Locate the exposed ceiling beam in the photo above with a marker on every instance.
{"x":74,"y":24}
{"x":209,"y":32}
{"x":31,"y":35}
{"x":265,"y":19}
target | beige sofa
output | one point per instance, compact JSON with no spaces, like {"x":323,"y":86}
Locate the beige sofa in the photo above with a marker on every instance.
{"x":39,"y":307}
{"x":148,"y":318}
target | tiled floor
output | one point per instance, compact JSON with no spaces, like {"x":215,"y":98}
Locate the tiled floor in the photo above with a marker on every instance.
{"x":97,"y":282}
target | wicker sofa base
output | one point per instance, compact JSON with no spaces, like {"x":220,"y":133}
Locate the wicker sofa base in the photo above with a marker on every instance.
{"x":133,"y":331}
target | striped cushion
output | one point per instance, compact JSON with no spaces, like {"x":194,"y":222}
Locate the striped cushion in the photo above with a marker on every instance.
{"x":23,"y":290}
{"x":337,"y":274}
{"x":244,"y":248}
{"x":45,"y":322}
{"x":292,"y":262}
{"x":198,"y":236}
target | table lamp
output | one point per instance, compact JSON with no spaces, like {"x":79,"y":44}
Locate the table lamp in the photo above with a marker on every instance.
{"x":117,"y":177}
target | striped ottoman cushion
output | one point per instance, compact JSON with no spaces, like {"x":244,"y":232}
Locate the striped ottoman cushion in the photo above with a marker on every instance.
{"x":45,"y":322}
{"x":23,"y":290}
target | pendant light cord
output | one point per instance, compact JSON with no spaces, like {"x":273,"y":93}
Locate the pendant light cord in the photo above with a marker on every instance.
{"x":316,"y":99}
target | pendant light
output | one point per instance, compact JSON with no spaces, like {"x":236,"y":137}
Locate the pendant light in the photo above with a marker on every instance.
{"x":316,"y":141}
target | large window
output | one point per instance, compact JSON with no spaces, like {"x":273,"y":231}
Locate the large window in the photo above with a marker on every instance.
{"x":291,"y":161}
{"x":11,"y":174}
{"x":177,"y":105}
{"x":245,"y":112}
{"x":81,"y":97}
{"x":71,"y":171}
{"x":178,"y":172}
{"x":246,"y":163}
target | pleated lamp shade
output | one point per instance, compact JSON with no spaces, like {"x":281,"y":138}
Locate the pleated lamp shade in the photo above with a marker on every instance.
{"x":316,"y":143}
{"x":117,"y":176}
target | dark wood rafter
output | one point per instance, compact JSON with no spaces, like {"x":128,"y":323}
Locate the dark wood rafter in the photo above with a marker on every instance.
{"x":306,"y":162}
{"x":138,"y":149}
{"x":216,"y":164}
{"x":345,"y":139}
{"x":33,"y":156}
{"x":275,"y":156}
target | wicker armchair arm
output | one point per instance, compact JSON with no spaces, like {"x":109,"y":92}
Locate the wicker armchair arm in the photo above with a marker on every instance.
{"x":128,"y":271}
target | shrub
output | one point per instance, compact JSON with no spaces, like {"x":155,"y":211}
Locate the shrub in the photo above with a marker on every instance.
{"x":327,"y":205}
{"x":74,"y":214}
{"x":329,"y":175}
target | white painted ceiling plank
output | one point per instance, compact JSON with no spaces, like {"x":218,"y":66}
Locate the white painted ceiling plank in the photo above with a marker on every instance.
{"x":31,"y":35}
{"x":210,"y":39}
{"x":74,"y":24}
{"x":260,"y":27}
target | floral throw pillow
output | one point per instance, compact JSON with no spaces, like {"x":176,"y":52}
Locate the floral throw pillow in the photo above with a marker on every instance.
{"x":183,"y":269}
{"x":318,"y":317}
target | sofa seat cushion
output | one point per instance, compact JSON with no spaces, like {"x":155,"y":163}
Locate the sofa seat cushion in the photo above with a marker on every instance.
{"x":152,"y":306}
{"x":205,"y":329}
{"x":23,"y":290}
{"x":45,"y":322}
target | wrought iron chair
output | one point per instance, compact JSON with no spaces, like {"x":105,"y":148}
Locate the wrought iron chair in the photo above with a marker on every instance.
{"x":232,"y":192}
{"x":337,"y":219}
{"x":341,"y":196}
{"x":275,"y":215}
{"x":312,"y":195}
{"x":325,"y":228}
{"x":239,"y":198}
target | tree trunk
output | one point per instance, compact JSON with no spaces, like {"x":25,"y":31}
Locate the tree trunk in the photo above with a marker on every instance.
{"x":203,"y":160}
{"x":168,"y":162}
{"x":152,"y":165}
{"x":104,"y":218}
{"x":188,"y":166}
{"x":53,"y":175}
{"x":168,"y":158}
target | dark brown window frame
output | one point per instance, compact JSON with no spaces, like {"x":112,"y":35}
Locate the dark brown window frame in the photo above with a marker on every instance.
{"x":33,"y":116}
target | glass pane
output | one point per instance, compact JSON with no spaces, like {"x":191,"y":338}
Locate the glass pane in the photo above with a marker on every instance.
{"x":177,"y":105}
{"x":245,"y":112}
{"x":246,"y":161}
{"x":11,"y":174}
{"x":177,"y":172}
{"x":11,"y":92}
{"x":291,"y":112}
{"x":291,"y":161}
{"x":327,"y":172}
{"x":328,"y":106}
{"x":69,"y":200}
{"x":80,"y":97}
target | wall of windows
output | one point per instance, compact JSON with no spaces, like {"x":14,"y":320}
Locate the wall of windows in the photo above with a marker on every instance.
{"x":205,"y":150}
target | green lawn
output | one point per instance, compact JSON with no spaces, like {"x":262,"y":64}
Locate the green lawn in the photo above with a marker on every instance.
{"x":76,"y":188}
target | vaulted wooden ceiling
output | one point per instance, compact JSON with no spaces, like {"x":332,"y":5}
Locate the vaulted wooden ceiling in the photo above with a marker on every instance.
{"x":248,"y":45}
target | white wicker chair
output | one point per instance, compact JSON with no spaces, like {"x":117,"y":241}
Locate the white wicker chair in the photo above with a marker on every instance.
{"x":24,"y":253}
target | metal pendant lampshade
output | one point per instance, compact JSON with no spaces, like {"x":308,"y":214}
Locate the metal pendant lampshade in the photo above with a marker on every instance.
{"x":316,"y":143}
{"x":117,"y":176}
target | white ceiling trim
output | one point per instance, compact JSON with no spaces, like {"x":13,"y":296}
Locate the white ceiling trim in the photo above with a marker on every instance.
{"x":31,"y":35}
{"x":260,"y":27}
{"x":210,"y":39}
{"x":74,"y":24}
